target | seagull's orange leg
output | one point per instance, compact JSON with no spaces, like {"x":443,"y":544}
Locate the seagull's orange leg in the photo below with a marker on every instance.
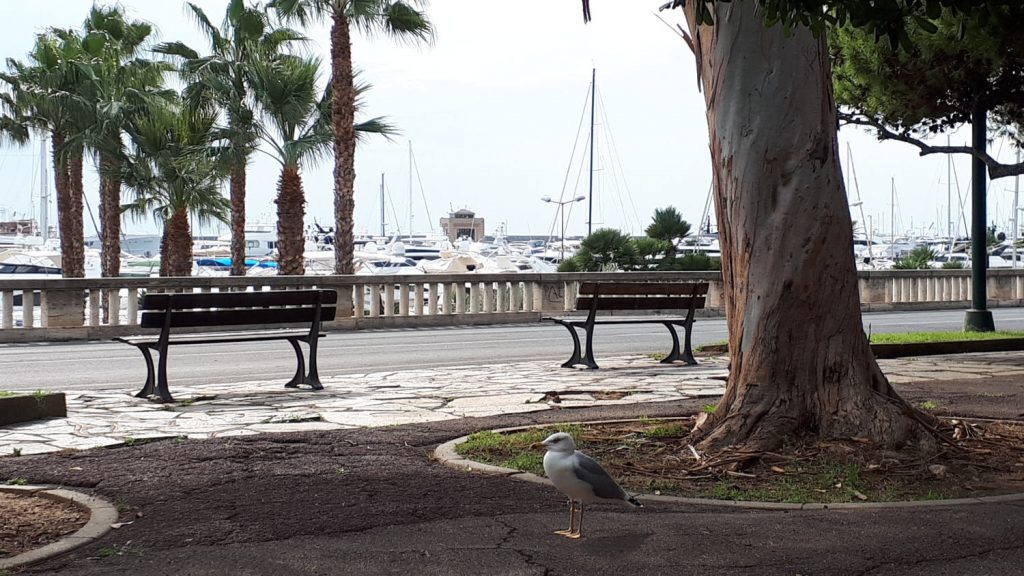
{"x":572,"y":516}
{"x":579,"y":527}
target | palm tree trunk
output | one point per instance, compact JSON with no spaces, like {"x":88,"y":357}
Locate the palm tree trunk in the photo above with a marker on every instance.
{"x":110,"y":215}
{"x":343,"y":121}
{"x":800,"y":362}
{"x":176,"y":246}
{"x":68,"y":180}
{"x":291,"y":203}
{"x":237,"y":185}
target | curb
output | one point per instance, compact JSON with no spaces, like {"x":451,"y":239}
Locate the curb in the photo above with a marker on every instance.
{"x":447,"y":455}
{"x":101,"y":515}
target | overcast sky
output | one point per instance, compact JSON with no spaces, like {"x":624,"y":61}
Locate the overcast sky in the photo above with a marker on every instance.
{"x":493,"y":109}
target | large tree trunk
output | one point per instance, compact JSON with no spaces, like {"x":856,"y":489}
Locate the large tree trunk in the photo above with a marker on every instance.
{"x":67,"y":167}
{"x":800,"y":362}
{"x":343,"y":120}
{"x":176,"y":246}
{"x":290,"y":209}
{"x":110,"y":216}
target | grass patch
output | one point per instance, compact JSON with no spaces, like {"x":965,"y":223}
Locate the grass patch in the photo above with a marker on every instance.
{"x":928,"y":405}
{"x":7,"y":394}
{"x":113,"y":551}
{"x":953,"y":336}
{"x":666,"y":431}
{"x":17,"y":482}
{"x":653,"y":456}
{"x":716,"y":347}
{"x":513,"y":450}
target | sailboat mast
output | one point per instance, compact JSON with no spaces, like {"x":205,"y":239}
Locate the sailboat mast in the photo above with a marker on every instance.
{"x":590,"y":195}
{"x":949,"y":193}
{"x":382,"y":204}
{"x":892,"y":206}
{"x":409,"y":231}
{"x":44,"y":200}
{"x":1016,"y":213}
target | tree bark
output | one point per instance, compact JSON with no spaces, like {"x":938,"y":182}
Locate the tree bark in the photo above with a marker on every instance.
{"x":343,"y":120}
{"x":800,"y":362}
{"x":110,"y":216}
{"x":176,"y":246}
{"x":290,"y":209}
{"x":237,"y":186}
{"x":67,"y":168}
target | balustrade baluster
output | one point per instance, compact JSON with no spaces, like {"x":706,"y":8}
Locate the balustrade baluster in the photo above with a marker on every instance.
{"x":94,"y":307}
{"x":460,"y":297}
{"x":7,"y":308}
{"x":403,"y":297}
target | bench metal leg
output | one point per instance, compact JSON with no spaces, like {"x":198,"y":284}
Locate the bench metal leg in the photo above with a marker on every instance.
{"x":589,"y":358}
{"x":687,"y":350}
{"x":575,"y":358}
{"x":147,"y":388}
{"x":161,"y":380}
{"x":687,"y":354}
{"x":313,"y":379}
{"x":300,"y":368}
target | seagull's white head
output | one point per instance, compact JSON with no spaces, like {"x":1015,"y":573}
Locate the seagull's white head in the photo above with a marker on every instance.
{"x":560,"y":442}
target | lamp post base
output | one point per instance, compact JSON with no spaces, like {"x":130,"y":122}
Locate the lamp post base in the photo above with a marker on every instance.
{"x":979,"y":321}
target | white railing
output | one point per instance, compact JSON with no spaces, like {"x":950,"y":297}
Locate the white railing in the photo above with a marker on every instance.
{"x":95,"y":308}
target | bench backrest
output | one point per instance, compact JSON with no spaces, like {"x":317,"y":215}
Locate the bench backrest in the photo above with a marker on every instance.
{"x":236,"y":308}
{"x":641,"y":295}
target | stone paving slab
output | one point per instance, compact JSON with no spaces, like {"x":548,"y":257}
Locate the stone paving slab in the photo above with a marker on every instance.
{"x":112,"y":417}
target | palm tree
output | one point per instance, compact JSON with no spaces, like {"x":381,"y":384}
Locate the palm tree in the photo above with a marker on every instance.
{"x":244,"y":38}
{"x":175,"y":170}
{"x":297,"y":129}
{"x":42,"y":95}
{"x":120,"y":85}
{"x":395,"y":18}
{"x":667,"y":225}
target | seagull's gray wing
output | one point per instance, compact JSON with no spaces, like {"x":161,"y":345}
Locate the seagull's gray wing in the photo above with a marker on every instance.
{"x":589,"y":471}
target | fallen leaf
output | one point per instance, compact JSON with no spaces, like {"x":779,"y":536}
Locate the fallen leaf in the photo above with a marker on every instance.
{"x":778,"y":470}
{"x":739,"y":474}
{"x":859,"y":496}
{"x":119,"y":524}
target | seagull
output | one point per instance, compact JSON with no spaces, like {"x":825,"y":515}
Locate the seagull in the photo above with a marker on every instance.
{"x":580,"y":477}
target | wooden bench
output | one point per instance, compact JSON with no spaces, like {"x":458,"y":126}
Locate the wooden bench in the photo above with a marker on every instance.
{"x":220,"y":309}
{"x":597,"y":297}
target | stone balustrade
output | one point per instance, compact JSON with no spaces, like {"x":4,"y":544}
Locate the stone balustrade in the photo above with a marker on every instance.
{"x":101,"y":308}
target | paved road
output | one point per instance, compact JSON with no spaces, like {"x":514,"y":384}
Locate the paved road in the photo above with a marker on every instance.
{"x":98,"y":365}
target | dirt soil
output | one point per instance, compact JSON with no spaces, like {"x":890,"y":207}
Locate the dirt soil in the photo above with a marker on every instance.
{"x":227,"y":494}
{"x":30,"y":521}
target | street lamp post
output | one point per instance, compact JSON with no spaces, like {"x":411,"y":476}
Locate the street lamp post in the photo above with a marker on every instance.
{"x":561,"y":215}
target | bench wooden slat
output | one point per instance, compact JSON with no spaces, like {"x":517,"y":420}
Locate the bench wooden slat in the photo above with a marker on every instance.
{"x":643,"y":288}
{"x":234,"y":317}
{"x":213,"y":337}
{"x":639,"y":303}
{"x":159,"y":301}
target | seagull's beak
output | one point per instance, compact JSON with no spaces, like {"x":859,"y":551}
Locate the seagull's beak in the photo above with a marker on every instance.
{"x":538,"y":446}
